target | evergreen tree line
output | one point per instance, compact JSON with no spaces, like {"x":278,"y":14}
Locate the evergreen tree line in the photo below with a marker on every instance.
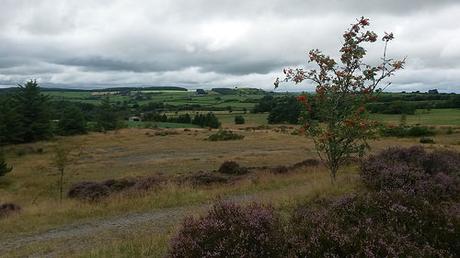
{"x":284,"y":109}
{"x":27,"y":115}
{"x":409,"y":107}
{"x":202,"y":120}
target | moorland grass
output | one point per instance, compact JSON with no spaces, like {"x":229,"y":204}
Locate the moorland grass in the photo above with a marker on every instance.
{"x":131,"y":153}
{"x":283,"y":191}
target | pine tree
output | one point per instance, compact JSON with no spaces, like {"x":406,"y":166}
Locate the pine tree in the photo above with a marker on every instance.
{"x":10,"y":122}
{"x":32,"y":109}
{"x":72,"y":121}
{"x":107,"y":118}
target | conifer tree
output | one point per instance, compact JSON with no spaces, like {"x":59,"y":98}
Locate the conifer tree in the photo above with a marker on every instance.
{"x":33,"y":113}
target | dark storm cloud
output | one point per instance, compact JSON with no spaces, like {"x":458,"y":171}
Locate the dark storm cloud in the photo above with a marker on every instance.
{"x":215,"y":43}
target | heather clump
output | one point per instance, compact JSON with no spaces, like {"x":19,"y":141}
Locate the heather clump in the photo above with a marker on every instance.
{"x":119,"y":184}
{"x":307,"y":163}
{"x":378,"y":224}
{"x":7,"y":209}
{"x":205,"y":178}
{"x":280,"y":170}
{"x":432,"y":175}
{"x":94,"y":191}
{"x":147,"y":183}
{"x":231,"y":230}
{"x":410,"y":210}
{"x":225,"y":135}
{"x":232,"y":168}
{"x":88,"y":191}
{"x":426,"y":140}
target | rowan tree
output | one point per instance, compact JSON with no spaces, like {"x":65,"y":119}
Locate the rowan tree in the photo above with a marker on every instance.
{"x":342,"y":89}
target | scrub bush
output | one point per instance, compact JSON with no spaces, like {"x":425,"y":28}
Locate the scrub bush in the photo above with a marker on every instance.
{"x":230,"y":230}
{"x":232,"y":168}
{"x":225,"y":135}
{"x":434,"y":176}
{"x":379,"y":224}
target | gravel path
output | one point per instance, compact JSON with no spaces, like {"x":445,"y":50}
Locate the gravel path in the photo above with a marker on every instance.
{"x":78,"y":233}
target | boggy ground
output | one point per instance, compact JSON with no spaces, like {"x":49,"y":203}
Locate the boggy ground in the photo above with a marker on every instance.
{"x":139,"y":224}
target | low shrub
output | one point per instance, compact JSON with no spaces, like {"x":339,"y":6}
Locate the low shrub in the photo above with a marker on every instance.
{"x":7,"y":209}
{"x":239,"y":120}
{"x":407,"y":131}
{"x":306,"y":163}
{"x":279,"y":170}
{"x":25,"y":150}
{"x":225,"y":135}
{"x":88,"y":191}
{"x":94,"y":191}
{"x":434,"y":175}
{"x":230,"y":230}
{"x":119,"y":184}
{"x":377,"y":224}
{"x":418,"y":131}
{"x":285,"y":169}
{"x":166,"y":133}
{"x":147,"y":183}
{"x":232,"y":168}
{"x":206,"y":178}
{"x":426,"y":140}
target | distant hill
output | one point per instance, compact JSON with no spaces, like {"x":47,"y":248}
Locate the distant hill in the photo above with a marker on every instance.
{"x":231,"y":91}
{"x":150,"y":88}
{"x":172,"y":88}
{"x":224,"y":91}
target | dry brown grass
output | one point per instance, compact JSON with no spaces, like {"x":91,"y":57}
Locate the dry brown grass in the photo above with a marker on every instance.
{"x":285,"y":191}
{"x":132,"y":153}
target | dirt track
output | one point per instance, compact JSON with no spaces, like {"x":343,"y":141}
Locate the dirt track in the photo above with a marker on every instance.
{"x":74,"y":237}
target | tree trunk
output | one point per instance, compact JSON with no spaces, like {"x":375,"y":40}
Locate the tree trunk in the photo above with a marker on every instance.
{"x":333,"y":171}
{"x":61,"y":182}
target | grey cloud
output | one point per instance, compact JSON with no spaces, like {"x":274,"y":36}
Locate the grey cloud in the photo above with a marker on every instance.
{"x":107,"y":64}
{"x":215,"y":43}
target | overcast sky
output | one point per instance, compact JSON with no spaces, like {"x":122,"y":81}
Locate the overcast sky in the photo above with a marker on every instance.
{"x":216,"y":43}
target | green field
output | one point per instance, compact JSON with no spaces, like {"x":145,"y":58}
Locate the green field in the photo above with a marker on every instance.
{"x":173,"y":98}
{"x":435,"y":117}
{"x":250,"y":119}
{"x":242,"y":101}
{"x":133,"y":124}
{"x":424,"y":117}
